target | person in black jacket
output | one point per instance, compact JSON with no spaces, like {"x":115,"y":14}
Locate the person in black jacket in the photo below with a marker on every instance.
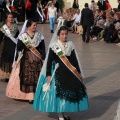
{"x":75,"y":4}
{"x":13,"y":8}
{"x":33,"y":8}
{"x":87,"y":20}
{"x":119,"y":4}
{"x":101,"y":5}
{"x":3,"y":10}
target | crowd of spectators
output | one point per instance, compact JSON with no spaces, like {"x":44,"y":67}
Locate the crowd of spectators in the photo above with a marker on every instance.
{"x":106,"y":19}
{"x":106,"y":25}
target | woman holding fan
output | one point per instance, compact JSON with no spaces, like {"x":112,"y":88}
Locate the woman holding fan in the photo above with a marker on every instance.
{"x":60,"y":88}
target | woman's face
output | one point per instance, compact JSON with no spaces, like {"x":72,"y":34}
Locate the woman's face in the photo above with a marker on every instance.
{"x":101,"y":13}
{"x":52,"y":5}
{"x":10,"y":18}
{"x":33,"y":27}
{"x":116,"y":17}
{"x":96,"y":12}
{"x":63,"y":35}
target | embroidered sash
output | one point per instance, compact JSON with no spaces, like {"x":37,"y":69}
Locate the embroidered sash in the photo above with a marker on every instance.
{"x":12,"y":2}
{"x":40,"y":14}
{"x":67,"y":63}
{"x":7,"y":6}
{"x":40,"y":6}
{"x":5,"y":27}
{"x":26,"y":41}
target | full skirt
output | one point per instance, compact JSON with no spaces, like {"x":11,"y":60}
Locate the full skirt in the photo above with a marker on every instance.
{"x":51,"y":103}
{"x":13,"y":87}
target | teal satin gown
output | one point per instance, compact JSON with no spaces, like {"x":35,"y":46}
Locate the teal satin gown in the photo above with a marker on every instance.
{"x":51,"y":103}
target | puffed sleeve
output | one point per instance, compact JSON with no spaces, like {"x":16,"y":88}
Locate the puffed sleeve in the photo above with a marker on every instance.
{"x":74,"y":61}
{"x":21,"y":46}
{"x":49,"y":62}
{"x":41,"y":49}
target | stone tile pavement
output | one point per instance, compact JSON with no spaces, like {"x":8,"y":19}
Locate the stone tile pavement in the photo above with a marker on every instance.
{"x":101,"y":66}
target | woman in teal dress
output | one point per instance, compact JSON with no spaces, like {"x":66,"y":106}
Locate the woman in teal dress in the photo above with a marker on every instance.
{"x":61,"y":89}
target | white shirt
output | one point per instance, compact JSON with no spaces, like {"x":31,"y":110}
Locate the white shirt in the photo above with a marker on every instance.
{"x":52,"y":12}
{"x":77,"y":17}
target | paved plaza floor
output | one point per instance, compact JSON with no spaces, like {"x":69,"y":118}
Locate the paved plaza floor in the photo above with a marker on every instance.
{"x":101,"y":66}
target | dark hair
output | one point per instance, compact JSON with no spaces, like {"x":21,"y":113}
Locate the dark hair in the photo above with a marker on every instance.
{"x":106,"y":1}
{"x":30,"y":21}
{"x":115,"y":10}
{"x":86,"y":4}
{"x":62,"y":28}
{"x":6,"y":16}
{"x":103,"y":17}
{"x":75,"y":1}
{"x":52,"y":3}
{"x":98,"y":10}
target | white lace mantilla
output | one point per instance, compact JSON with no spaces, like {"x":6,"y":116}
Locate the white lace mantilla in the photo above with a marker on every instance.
{"x":13,"y":30}
{"x":35,"y":41}
{"x":66,"y":49}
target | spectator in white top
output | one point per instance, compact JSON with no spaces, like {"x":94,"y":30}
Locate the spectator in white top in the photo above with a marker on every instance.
{"x":52,"y":14}
{"x":76,"y":18}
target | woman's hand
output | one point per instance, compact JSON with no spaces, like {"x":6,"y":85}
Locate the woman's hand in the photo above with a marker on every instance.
{"x":48,"y":79}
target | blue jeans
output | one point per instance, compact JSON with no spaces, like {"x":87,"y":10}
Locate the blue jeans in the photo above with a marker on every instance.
{"x":52,"y":22}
